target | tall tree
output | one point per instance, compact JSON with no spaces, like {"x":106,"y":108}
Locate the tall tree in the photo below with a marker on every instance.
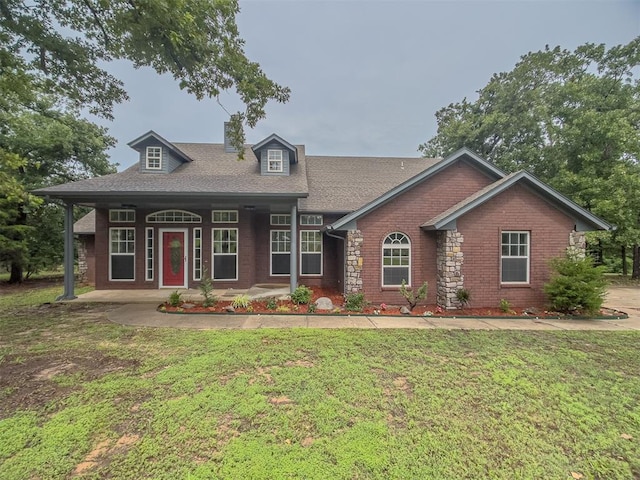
{"x":197,"y":41}
{"x":570,"y":117}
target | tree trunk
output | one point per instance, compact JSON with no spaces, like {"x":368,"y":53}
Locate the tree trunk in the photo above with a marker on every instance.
{"x":636,"y":262}
{"x":16,"y":273}
{"x":623,"y":253}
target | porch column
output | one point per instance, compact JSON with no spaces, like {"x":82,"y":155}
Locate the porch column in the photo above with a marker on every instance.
{"x":293,"y":255}
{"x":449,"y":260}
{"x":68,"y":293}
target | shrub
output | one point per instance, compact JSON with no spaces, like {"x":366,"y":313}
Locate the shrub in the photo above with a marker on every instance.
{"x":576,"y":286}
{"x":175,"y":298}
{"x":464,"y":297}
{"x":505,"y":305}
{"x":241,"y":301}
{"x":301,"y":294}
{"x":206,"y":289}
{"x":355,"y":302}
{"x":312,"y":308}
{"x":411,"y":297}
{"x":272,"y":303}
{"x":283,"y":308}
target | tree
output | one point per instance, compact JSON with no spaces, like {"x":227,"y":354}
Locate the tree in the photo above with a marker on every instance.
{"x":196,"y":41}
{"x":570,"y":118}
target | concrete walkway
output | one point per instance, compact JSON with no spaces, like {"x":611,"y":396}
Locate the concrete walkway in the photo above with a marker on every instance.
{"x":142,"y":312}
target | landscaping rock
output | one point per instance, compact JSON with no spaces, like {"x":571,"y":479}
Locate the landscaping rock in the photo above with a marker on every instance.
{"x":230,"y":309}
{"x":324,"y":303}
{"x":531,"y":311}
{"x":187,"y":306}
{"x":405,"y":310}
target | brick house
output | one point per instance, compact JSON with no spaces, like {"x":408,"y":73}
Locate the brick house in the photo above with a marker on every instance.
{"x":352,"y":223}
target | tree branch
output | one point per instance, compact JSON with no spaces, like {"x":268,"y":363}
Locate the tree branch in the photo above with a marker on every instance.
{"x":107,"y":42}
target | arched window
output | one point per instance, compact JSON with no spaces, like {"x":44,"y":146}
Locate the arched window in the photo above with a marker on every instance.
{"x":396,"y":260}
{"x":173,"y":216}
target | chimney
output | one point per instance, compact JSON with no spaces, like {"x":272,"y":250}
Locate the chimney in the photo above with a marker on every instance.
{"x":228,"y":148}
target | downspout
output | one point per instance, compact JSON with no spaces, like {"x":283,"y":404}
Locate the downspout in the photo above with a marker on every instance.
{"x":68,"y":293}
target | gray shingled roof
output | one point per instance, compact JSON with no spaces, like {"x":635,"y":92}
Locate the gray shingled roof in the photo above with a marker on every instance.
{"x":344,"y":184}
{"x":86,"y":225}
{"x":212,"y":171}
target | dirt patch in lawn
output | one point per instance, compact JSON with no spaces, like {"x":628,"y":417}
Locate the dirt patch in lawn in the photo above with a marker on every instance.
{"x":31,"y":383}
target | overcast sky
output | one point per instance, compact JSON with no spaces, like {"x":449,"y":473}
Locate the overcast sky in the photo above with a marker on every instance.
{"x":367,"y":77}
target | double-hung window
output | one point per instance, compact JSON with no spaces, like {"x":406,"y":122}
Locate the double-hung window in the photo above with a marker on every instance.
{"x":274,"y":161}
{"x":396,"y":260}
{"x":310,"y":252}
{"x":514,"y":264}
{"x":122,"y":251}
{"x":154,"y":158}
{"x":225,"y":253}
{"x":280,"y":252}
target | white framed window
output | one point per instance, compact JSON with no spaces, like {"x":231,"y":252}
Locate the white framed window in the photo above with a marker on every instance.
{"x":224,"y":216}
{"x":148,"y":257}
{"x":122,"y":253}
{"x":197,"y":254}
{"x":274,"y":161}
{"x":396,"y":260}
{"x":280,"y":252}
{"x":122,"y":216}
{"x":310,"y":219}
{"x":310,"y":252}
{"x":514,"y":257}
{"x":154,"y":158}
{"x":173,"y":216}
{"x":225,"y":253}
{"x":281,"y":219}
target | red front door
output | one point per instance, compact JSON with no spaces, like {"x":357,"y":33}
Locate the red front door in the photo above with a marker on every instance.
{"x":173,"y":259}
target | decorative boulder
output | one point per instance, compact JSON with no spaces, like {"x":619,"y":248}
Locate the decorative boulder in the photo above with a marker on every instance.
{"x":230,"y":309}
{"x":404,"y":310}
{"x":324,"y":303}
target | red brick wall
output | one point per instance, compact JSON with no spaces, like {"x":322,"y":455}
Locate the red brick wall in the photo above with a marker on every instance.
{"x":405,"y":214}
{"x":515,"y":209}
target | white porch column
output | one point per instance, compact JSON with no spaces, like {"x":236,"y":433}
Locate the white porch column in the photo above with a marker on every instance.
{"x":68,"y":293}
{"x":293,"y":255}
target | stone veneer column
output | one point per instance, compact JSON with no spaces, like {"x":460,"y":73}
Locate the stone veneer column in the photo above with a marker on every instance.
{"x":353,"y":272}
{"x":577,"y":244}
{"x":449,"y":259}
{"x":82,"y":260}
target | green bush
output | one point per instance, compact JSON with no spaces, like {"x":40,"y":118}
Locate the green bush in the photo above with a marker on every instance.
{"x":412,"y":297}
{"x":206,"y":289}
{"x":464,"y":297}
{"x":302,"y":295}
{"x":355,"y":302}
{"x":576,"y":286}
{"x":505,"y":305}
{"x":241,"y":301}
{"x":272,"y":303}
{"x":175,"y":298}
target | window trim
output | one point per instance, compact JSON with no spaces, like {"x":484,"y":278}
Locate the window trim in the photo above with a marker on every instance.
{"x":321,"y":253}
{"x":527,"y":256}
{"x":197,"y":254}
{"x":213,"y":254}
{"x":272,"y":253}
{"x":148,"y":254}
{"x":153,"y":157}
{"x":280,"y":161}
{"x":304,"y":220}
{"x":276,"y":223}
{"x":111,"y":254}
{"x":119,"y":211}
{"x":382,"y":257}
{"x":213,"y":215}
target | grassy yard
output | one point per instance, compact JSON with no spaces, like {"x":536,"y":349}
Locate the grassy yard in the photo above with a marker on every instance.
{"x":83,"y":398}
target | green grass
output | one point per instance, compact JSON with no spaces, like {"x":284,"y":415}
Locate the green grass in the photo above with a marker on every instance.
{"x":317,"y":404}
{"x":35,"y":295}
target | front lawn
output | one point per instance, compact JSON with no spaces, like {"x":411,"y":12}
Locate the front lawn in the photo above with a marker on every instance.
{"x":81,"y":397}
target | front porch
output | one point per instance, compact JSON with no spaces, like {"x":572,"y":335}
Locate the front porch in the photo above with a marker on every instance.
{"x":159,"y":296}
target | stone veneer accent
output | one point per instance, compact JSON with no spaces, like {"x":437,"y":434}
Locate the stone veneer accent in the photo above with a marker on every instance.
{"x":353,"y":273}
{"x":449,"y":259}
{"x":82,"y":260}
{"x":577,"y":244}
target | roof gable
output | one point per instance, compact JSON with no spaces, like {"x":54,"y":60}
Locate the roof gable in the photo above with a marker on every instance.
{"x":585,"y":220}
{"x":293,"y":151}
{"x":139,"y":143}
{"x":462,"y":154}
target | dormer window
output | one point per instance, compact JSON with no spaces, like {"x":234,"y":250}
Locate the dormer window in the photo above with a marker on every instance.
{"x":274,"y":159}
{"x":154,"y":158}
